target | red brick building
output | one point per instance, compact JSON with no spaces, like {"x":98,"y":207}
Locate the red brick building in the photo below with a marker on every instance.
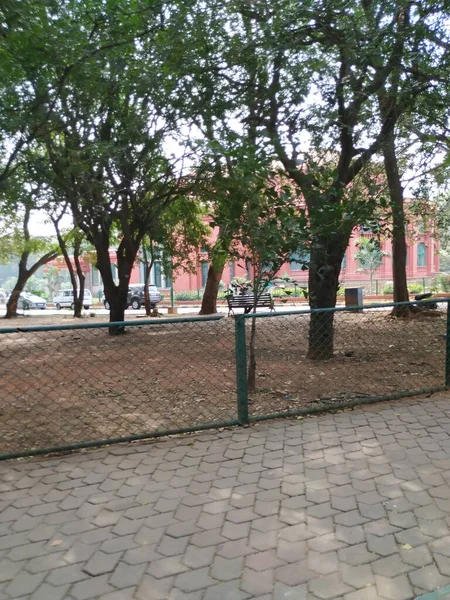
{"x":422,"y":265}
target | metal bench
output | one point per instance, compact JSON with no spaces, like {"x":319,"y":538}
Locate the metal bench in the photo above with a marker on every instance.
{"x":247,"y":302}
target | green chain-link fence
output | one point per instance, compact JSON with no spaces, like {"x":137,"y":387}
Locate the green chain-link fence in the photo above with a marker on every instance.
{"x":64,"y":387}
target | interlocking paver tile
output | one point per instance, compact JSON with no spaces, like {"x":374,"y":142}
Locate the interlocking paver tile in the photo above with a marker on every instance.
{"x":418,"y":557}
{"x":356,"y":555}
{"x":268,"y":560}
{"x":413,"y":537}
{"x":394,"y":588}
{"x":353,"y":505}
{"x":358,"y":577}
{"x":286,"y":592}
{"x":225,"y":569}
{"x":294,"y":574}
{"x":194,"y":580}
{"x":101,"y":563}
{"x":166,"y":567}
{"x":323,"y":563}
{"x":24,"y":583}
{"x":196,"y":557}
{"x":329,"y":587}
{"x":392,"y":566}
{"x":428,"y":578}
{"x":383,"y":545}
{"x":154,"y":589}
{"x":9,"y":569}
{"x":224,"y":591}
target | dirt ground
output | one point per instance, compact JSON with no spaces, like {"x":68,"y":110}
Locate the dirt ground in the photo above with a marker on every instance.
{"x":60,"y":387}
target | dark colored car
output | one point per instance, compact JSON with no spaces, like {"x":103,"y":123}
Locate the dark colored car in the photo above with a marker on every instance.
{"x":136,"y":299}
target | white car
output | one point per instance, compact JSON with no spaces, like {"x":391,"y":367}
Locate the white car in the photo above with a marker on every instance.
{"x":27,"y":301}
{"x":64,"y":299}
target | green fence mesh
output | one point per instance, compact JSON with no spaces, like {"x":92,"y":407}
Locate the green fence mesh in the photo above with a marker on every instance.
{"x":67,"y":386}
{"x":373,"y":355}
{"x":61,"y":387}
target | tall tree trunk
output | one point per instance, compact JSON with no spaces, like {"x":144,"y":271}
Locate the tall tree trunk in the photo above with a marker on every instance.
{"x":23,"y":277}
{"x":116,"y":295}
{"x":11,"y":305}
{"x":78,"y":297}
{"x":69,"y":265}
{"x":209,"y":300}
{"x":327,"y":254}
{"x":215,"y":272}
{"x":399,"y":247}
{"x":251,"y":373}
{"x":147,"y":270}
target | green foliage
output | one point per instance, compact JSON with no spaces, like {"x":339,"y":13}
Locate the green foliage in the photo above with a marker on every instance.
{"x":415,"y":288}
{"x":188,"y":295}
{"x":369,"y":255}
{"x":442,"y":283}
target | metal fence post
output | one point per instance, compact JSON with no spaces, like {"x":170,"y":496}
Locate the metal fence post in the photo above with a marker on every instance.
{"x":241,"y":369}
{"x":447,"y":347}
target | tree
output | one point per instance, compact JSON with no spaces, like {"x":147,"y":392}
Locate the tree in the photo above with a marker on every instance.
{"x":318,"y":82}
{"x":270,"y":228}
{"x":223,"y":111}
{"x":369,"y":257}
{"x":18,"y":243}
{"x":105,"y":152}
{"x":175,"y":244}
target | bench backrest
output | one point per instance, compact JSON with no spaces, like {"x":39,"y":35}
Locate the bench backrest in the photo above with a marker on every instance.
{"x":249,"y":300}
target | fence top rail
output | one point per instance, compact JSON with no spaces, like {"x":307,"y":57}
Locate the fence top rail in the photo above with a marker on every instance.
{"x":308,"y":311}
{"x":34,"y":328}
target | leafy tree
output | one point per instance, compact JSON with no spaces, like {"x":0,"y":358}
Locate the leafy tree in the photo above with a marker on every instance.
{"x":175,"y":244}
{"x":321,"y":69}
{"x":105,"y":152}
{"x":52,"y":281}
{"x":369,"y":256}
{"x":270,"y":228}
{"x":17,"y":205}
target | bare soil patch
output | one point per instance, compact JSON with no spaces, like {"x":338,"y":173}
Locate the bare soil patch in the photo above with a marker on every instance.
{"x":61,"y":387}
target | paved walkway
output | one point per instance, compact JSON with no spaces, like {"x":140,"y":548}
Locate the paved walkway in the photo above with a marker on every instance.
{"x":354,"y":505}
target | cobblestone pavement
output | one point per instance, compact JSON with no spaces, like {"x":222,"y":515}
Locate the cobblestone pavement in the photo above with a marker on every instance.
{"x":354,"y":505}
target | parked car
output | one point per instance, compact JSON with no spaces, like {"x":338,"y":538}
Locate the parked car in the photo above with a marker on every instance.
{"x":135,"y":298}
{"x":27,"y":301}
{"x":64,"y":299}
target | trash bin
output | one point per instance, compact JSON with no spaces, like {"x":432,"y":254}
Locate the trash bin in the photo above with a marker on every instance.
{"x":353,"y":296}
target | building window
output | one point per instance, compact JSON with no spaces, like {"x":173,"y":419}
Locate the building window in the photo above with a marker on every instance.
{"x":421,"y":255}
{"x":204,"y":273}
{"x":248,"y":268}
{"x":232,"y":271}
{"x":299,"y":261}
{"x":95,"y":276}
{"x":421,"y":225}
{"x":114,"y":272}
{"x":157,"y":273}
{"x":344,"y":262}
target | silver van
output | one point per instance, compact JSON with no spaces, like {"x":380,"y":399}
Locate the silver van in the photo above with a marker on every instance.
{"x":64,"y":299}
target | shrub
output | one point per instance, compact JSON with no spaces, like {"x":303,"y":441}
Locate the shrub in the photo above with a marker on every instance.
{"x":188,"y":295}
{"x":442,"y":283}
{"x":291,"y":292}
{"x":388,"y":288}
{"x":415,"y":288}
